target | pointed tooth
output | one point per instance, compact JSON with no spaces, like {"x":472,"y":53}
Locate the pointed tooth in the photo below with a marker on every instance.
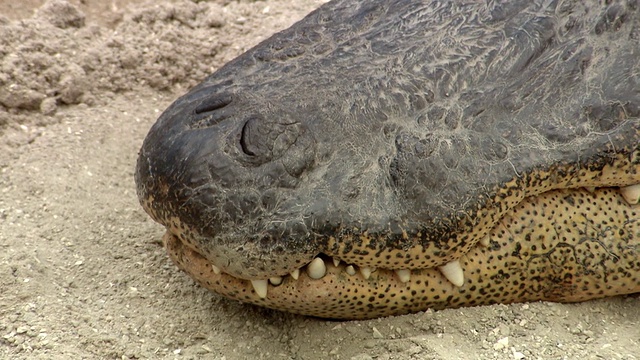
{"x":453,"y":272}
{"x":260,"y":287}
{"x":336,"y":262}
{"x":590,"y":189}
{"x":295,"y":274}
{"x":350,"y":270}
{"x":631,"y":193}
{"x":485,"y":241}
{"x":216,"y":270}
{"x":276,"y":280}
{"x":366,"y":272}
{"x":316,"y":269}
{"x":404,"y":275}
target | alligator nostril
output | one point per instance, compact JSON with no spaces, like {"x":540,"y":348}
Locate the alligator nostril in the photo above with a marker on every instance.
{"x":213,"y":103}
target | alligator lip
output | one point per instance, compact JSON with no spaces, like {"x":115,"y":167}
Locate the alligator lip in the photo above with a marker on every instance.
{"x":515,"y":267}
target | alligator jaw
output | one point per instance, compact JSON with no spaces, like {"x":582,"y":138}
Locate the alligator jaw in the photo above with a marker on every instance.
{"x":521,"y":263}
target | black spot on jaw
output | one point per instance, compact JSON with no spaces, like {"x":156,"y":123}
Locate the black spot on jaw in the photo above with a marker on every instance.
{"x":516,"y":251}
{"x":569,"y":199}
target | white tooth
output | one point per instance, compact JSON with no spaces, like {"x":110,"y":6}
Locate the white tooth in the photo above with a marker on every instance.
{"x":404,"y":275}
{"x":590,"y":189}
{"x":350,"y":270}
{"x":317,"y":269}
{"x":277,"y":280}
{"x":631,"y":193}
{"x":485,"y":241}
{"x":453,"y":272}
{"x":366,"y":272}
{"x":295,"y":274}
{"x":260,"y":286}
{"x":216,"y":269}
{"x":336,"y":262}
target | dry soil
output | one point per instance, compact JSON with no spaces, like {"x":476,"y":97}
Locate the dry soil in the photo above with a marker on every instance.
{"x":82,"y":270}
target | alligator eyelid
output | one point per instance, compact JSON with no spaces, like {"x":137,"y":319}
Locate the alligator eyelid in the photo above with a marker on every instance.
{"x":212,"y":104}
{"x":243,"y":141}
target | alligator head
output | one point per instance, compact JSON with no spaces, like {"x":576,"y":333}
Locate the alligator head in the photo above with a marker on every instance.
{"x":377,"y":158}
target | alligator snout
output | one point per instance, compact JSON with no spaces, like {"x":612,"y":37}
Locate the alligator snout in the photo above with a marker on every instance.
{"x":232,"y":182}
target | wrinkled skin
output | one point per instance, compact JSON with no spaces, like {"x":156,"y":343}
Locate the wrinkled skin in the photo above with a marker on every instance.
{"x":397,"y":135}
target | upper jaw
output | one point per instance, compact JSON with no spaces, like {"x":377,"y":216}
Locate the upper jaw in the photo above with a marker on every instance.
{"x":221,"y":176}
{"x":256,"y":188}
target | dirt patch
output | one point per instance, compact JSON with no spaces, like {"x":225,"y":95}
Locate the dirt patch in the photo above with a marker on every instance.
{"x":82,"y":270}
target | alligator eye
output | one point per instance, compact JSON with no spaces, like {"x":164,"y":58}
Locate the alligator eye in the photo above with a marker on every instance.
{"x":245,"y":139}
{"x":211,"y":109}
{"x":263,"y":139}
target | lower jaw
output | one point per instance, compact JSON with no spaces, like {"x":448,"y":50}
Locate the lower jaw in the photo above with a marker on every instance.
{"x":523,"y":263}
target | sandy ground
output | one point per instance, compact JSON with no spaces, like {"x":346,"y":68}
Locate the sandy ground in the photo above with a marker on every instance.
{"x":82,"y":270}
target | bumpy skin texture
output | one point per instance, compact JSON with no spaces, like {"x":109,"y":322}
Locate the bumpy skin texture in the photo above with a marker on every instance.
{"x":561,"y":246}
{"x":396,"y":134}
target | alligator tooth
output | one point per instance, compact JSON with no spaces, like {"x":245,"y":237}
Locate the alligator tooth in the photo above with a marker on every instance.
{"x":453,"y":272}
{"x":316,"y":269}
{"x":295,"y":274}
{"x":336,"y":262}
{"x":485,"y":241}
{"x":404,"y":275}
{"x":216,"y":270}
{"x":590,"y":189}
{"x":631,"y":193}
{"x":276,"y":280}
{"x":260,"y":286}
{"x":366,"y":272}
{"x":350,"y":270}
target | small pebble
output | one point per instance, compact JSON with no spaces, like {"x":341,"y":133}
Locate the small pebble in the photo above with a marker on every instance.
{"x":501,"y":344}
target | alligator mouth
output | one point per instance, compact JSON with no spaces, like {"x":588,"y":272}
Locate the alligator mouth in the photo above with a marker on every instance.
{"x":318,"y":268}
{"x":514,"y":263}
{"x":326,"y":287}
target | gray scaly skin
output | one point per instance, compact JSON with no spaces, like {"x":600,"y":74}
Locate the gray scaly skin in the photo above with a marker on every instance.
{"x":412,"y":136}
